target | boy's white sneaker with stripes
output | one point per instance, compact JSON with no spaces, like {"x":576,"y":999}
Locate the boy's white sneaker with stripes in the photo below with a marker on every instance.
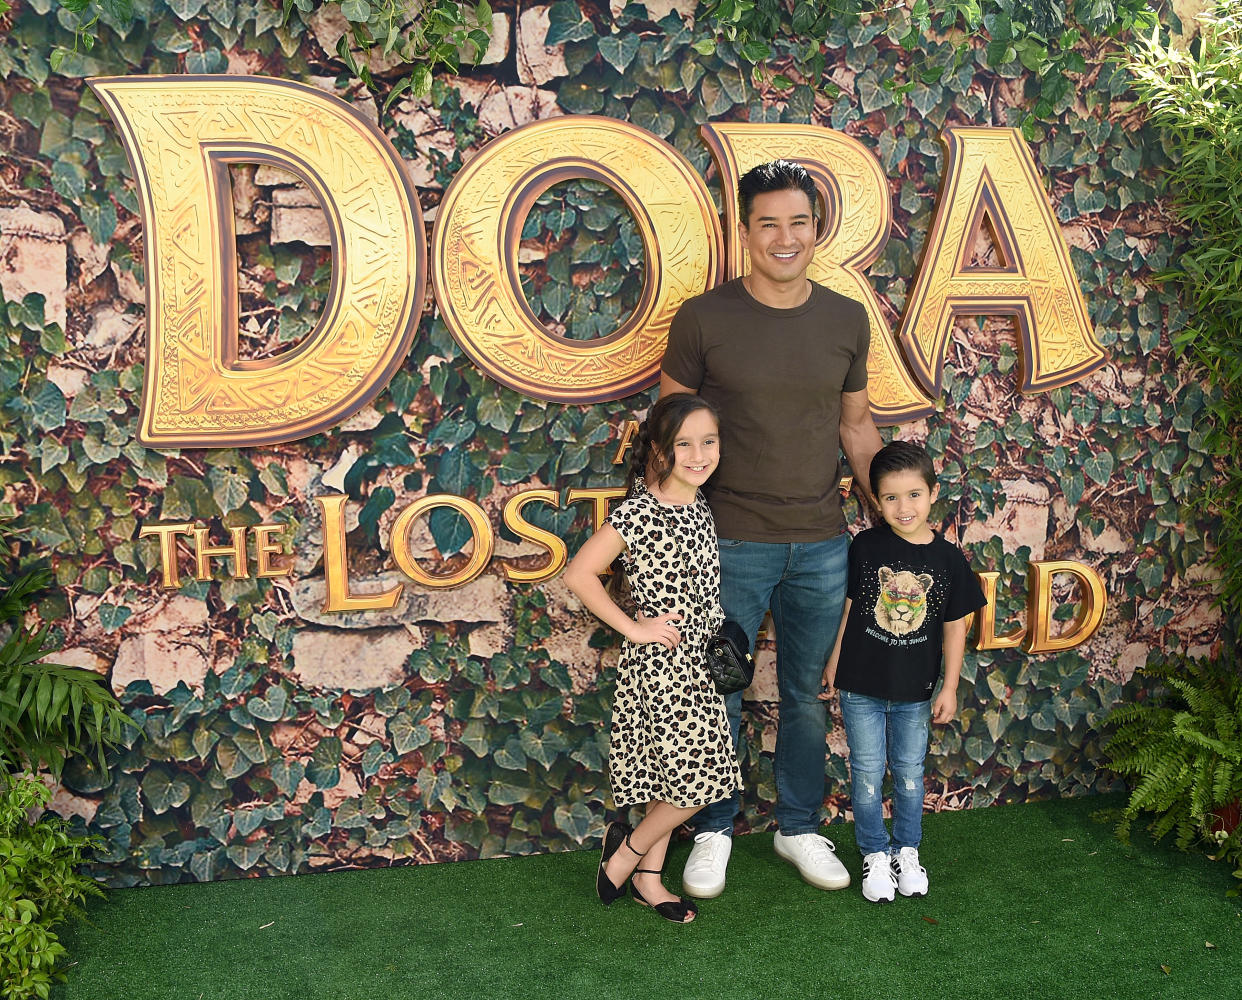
{"x":911,"y":876}
{"x":878,"y":882}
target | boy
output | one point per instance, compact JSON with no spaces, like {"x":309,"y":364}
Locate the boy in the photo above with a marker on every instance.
{"x":907,"y":601}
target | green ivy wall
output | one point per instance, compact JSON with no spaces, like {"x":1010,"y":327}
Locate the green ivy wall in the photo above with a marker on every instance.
{"x":473,"y":722}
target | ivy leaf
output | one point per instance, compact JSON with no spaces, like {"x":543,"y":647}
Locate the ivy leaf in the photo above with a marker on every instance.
{"x":185,"y":9}
{"x":574,"y":820}
{"x":619,"y":50}
{"x":1099,"y":467}
{"x":287,"y":774}
{"x":356,"y":10}
{"x":163,"y":792}
{"x":511,"y":756}
{"x":566,"y":24}
{"x":47,"y":405}
{"x":391,"y":701}
{"x":245,"y":856}
{"x":450,"y":529}
{"x":113,"y":616}
{"x":545,"y":749}
{"x":271,"y":707}
{"x":247,"y":820}
{"x":406,"y":734}
{"x":324,"y":769}
{"x":503,"y":793}
{"x":474,"y":738}
{"x":229,"y":488}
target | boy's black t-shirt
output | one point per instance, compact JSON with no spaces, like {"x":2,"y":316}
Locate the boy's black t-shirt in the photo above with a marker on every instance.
{"x":902,"y":595}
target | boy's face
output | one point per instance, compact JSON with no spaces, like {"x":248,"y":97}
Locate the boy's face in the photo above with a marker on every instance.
{"x":905,"y":501}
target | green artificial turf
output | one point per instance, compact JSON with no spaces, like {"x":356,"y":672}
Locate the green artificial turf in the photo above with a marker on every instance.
{"x":1037,"y":902}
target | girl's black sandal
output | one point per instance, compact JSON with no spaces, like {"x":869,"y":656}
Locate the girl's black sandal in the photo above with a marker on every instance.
{"x":676,"y":912}
{"x":618,"y":833}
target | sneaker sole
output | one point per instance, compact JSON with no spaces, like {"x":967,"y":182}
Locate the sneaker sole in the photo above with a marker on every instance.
{"x":878,"y":902}
{"x":913,"y":895}
{"x":839,"y":882}
{"x":711,"y":892}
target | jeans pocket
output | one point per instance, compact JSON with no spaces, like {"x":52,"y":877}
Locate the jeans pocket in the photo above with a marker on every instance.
{"x":729,"y":543}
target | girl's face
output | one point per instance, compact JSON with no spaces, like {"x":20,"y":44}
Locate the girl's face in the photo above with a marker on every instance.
{"x":696,"y":453}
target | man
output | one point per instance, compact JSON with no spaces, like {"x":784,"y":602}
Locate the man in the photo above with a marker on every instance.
{"x":785,"y":361}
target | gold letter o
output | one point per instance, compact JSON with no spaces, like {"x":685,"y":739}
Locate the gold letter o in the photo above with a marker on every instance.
{"x":480,"y":527}
{"x":475,"y":248}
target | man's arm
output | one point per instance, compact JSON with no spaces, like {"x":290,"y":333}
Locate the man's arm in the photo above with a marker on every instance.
{"x":859,"y":438}
{"x":669,"y":385}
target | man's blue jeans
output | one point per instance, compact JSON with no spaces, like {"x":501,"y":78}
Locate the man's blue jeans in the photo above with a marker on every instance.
{"x":803,"y":584}
{"x":880,"y":731}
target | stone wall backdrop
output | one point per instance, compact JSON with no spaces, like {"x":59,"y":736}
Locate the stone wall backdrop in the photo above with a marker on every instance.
{"x":473,"y":722}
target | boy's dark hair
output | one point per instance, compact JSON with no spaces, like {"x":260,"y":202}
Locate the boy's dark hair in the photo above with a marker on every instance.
{"x":901,"y":456}
{"x":652,"y":452}
{"x":779,"y":175}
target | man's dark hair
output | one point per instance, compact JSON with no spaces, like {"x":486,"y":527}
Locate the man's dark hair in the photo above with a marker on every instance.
{"x":901,"y":456}
{"x":779,"y":175}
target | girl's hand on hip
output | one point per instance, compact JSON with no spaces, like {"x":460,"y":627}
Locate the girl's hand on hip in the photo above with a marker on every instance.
{"x":660,"y":629}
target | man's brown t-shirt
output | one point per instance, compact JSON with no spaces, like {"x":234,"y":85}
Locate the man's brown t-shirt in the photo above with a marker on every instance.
{"x":776,"y":375}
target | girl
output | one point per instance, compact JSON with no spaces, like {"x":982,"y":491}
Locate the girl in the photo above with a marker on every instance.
{"x":670,"y":747}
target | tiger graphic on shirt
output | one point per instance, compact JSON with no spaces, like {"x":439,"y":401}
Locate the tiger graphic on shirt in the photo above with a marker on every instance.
{"x":902,"y":604}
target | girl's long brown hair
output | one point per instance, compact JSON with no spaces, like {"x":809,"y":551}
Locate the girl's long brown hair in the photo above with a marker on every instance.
{"x":651,"y":454}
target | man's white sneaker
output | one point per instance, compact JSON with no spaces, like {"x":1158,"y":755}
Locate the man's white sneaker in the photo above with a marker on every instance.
{"x":704,"y":874}
{"x":911,"y":876}
{"x":878,"y":882}
{"x":812,"y":855}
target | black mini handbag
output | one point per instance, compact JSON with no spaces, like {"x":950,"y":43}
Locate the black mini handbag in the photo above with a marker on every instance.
{"x":728,"y":658}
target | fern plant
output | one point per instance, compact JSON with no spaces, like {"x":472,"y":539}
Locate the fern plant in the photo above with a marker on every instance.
{"x":1181,"y":751}
{"x":48,"y":711}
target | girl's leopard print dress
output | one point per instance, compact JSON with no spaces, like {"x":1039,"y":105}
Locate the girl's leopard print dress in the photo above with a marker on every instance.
{"x":670,"y":734}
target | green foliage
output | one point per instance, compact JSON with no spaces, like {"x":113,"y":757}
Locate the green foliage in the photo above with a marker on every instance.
{"x":40,"y":887}
{"x":48,"y":711}
{"x":473,"y":754}
{"x":1181,"y":748}
{"x":1038,"y":37}
{"x":425,"y":35}
{"x":1195,"y":98}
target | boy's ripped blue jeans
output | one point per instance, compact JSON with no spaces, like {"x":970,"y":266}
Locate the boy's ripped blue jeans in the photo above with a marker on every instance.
{"x":880,"y":733}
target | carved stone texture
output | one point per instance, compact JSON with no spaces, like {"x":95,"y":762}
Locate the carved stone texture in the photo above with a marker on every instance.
{"x":659,"y":9}
{"x":1023,"y":520}
{"x":82,"y":657}
{"x":91,"y":257}
{"x":168,"y":644}
{"x":355,"y":661}
{"x":68,"y":380}
{"x":297,"y":217}
{"x":509,"y":107}
{"x":246,"y":198}
{"x":65,"y":803}
{"x":110,"y":328}
{"x":483,"y":601}
{"x":536,"y":62}
{"x":128,"y":286}
{"x":329,"y":25}
{"x":498,"y":47}
{"x":572,"y":625}
{"x":429,"y":134}
{"x":34,"y":258}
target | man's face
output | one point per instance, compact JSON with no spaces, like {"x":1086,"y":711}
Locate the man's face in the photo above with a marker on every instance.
{"x":780,"y":235}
